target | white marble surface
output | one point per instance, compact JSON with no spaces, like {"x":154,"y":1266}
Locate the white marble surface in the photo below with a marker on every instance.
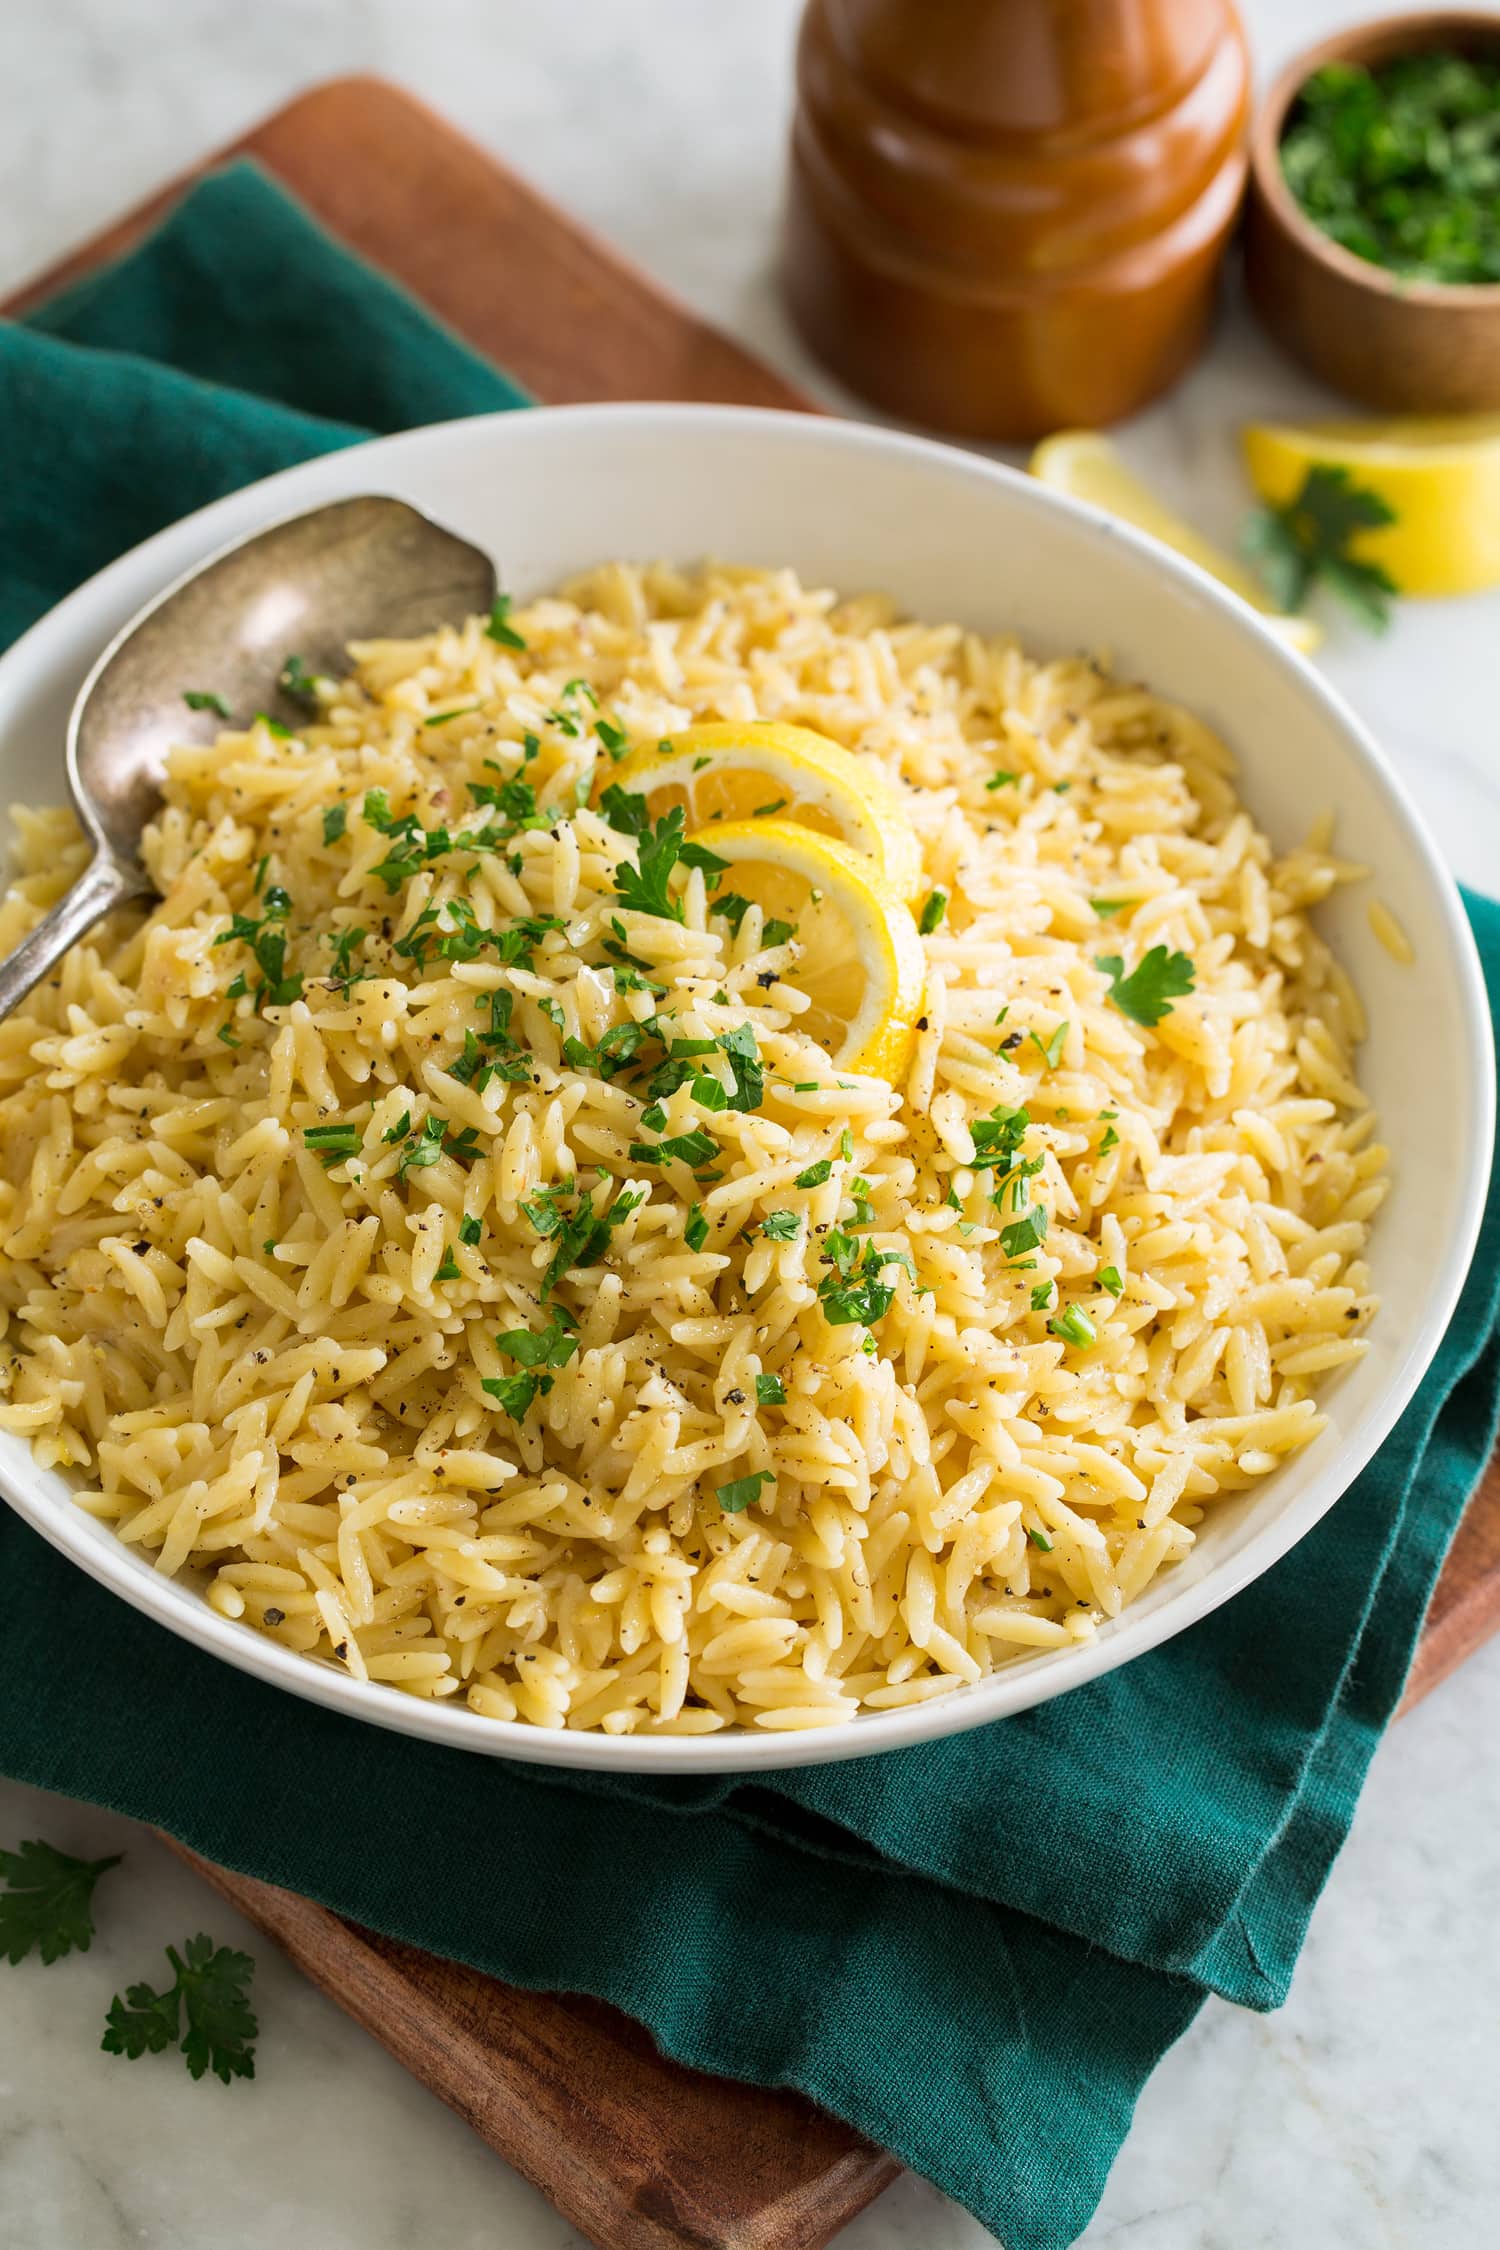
{"x":1362,"y":2117}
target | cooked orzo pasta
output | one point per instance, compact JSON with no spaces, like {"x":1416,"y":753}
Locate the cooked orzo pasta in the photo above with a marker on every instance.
{"x":431,"y":1225}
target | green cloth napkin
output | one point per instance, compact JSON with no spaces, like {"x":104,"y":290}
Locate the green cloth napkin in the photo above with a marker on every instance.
{"x":977,"y":1951}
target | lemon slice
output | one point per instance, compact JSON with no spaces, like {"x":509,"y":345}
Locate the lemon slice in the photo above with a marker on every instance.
{"x":1440,"y":474}
{"x":737,"y":771}
{"x":859,"y":958}
{"x":1083,"y":463}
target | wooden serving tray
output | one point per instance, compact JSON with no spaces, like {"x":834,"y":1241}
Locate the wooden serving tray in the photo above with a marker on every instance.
{"x":638,"y":2153}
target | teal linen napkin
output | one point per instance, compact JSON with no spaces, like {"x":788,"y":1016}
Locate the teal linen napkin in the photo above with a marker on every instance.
{"x":976,"y":1952}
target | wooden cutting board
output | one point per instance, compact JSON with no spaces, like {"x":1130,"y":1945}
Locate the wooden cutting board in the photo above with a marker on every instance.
{"x":638,"y":2153}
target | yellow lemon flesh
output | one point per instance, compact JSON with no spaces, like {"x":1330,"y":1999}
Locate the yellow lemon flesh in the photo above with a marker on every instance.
{"x":737,"y":771}
{"x":859,"y":958}
{"x":1083,"y":463}
{"x":1440,"y":475}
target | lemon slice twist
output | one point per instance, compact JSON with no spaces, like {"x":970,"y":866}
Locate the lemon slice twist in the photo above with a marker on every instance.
{"x":1086,"y":465}
{"x":859,"y":957}
{"x":737,"y":771}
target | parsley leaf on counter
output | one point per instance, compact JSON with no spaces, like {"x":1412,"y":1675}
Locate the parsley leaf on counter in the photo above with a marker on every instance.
{"x":210,"y":1984}
{"x":200,"y":699}
{"x":1146,"y":995}
{"x":1307,"y":540}
{"x":47,"y":1901}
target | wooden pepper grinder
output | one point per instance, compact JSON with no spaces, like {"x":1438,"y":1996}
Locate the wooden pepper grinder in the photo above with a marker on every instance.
{"x":1006,"y":216}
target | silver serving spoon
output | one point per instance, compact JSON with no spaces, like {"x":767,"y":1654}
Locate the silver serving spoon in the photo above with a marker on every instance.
{"x":361,"y":569}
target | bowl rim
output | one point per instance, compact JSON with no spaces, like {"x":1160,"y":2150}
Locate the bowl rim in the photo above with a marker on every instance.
{"x":1013,"y":1689}
{"x":1268,"y":183}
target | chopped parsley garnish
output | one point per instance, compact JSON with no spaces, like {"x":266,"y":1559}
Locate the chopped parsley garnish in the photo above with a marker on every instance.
{"x":1398,"y":163}
{"x":333,"y":1142}
{"x":694,"y":1149}
{"x":1110,"y":1278}
{"x":1105,"y":907}
{"x":343,"y":948}
{"x":743,"y":1056}
{"x":582,"y":1236}
{"x":1051,"y":1049}
{"x":695,"y":1233}
{"x":534,"y":1352}
{"x":1146,"y":995}
{"x":1028,"y":1233}
{"x":743,"y":1492}
{"x":1001,"y":780}
{"x":227,"y":1034}
{"x":299,"y":685}
{"x":335,"y":821}
{"x":1073,"y":1327}
{"x":1308,"y":540}
{"x":614,"y":739}
{"x":1041,"y":1296}
{"x":267,"y":941}
{"x":498,"y":627}
{"x":854,"y":1291}
{"x":777,"y":932}
{"x":441,"y":718}
{"x":399,"y":1130}
{"x":562,"y":715}
{"x":1039,"y":1539}
{"x":448,"y":1270}
{"x":47,"y":1901}
{"x":780,"y":1226}
{"x":815,"y":1174}
{"x":770,"y":1390}
{"x":470,"y":1228}
{"x":934,"y":907}
{"x":210,"y":1984}
{"x":202,"y":699}
{"x":625,"y":810}
{"x":423,"y":1148}
{"x":734,"y":908}
{"x":998,"y":1138}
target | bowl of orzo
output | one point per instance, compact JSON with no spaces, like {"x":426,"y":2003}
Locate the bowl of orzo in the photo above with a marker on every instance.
{"x":767,"y":1152}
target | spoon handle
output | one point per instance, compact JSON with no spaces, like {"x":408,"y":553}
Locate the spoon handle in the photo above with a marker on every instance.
{"x":103,"y":884}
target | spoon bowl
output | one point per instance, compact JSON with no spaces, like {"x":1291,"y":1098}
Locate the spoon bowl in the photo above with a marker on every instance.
{"x":356,"y":569}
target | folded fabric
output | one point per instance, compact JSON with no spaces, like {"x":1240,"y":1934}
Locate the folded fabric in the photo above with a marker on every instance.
{"x":975,"y":1951}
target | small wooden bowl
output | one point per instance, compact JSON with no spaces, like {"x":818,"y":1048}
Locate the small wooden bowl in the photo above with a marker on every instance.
{"x":1414,"y":346}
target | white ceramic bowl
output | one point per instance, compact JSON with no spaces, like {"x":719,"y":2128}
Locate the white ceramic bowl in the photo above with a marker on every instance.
{"x":951,"y":536}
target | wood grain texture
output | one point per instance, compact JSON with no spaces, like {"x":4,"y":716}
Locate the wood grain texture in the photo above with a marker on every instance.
{"x":569,"y":318}
{"x":638,"y":2153}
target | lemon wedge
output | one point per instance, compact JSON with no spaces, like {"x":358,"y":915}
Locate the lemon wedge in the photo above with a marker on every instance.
{"x":1439,"y":474}
{"x":859,"y":958}
{"x":1085,"y":464}
{"x":733,"y":771}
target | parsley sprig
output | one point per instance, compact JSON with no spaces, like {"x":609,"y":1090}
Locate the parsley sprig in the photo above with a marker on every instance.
{"x":47,"y":1903}
{"x":210,"y":1987}
{"x":1307,"y":542}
